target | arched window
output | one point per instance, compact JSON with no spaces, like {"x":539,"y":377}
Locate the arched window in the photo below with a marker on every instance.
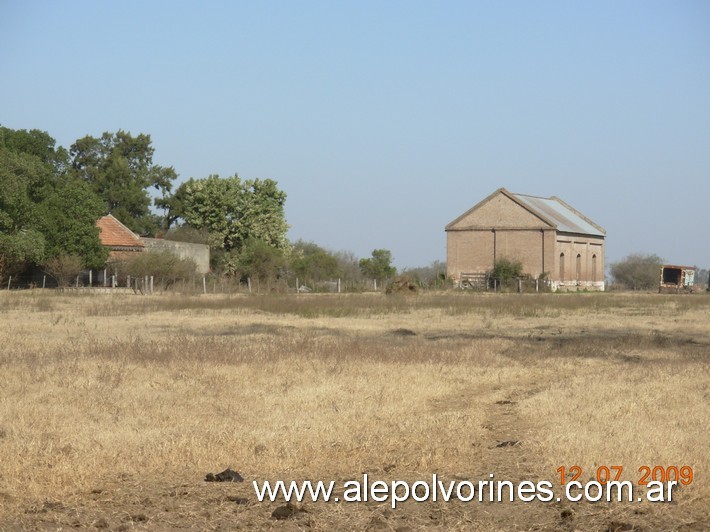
{"x":562,"y":267}
{"x":594,"y":268}
{"x":579,"y":267}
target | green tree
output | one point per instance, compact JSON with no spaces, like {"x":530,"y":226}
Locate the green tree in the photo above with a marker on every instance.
{"x":186,"y":233}
{"x":638,"y":271}
{"x":22,"y":176}
{"x":311,"y":262}
{"x":120,"y":170}
{"x":258,"y":260}
{"x":44,"y":212}
{"x":19,"y":250}
{"x":233,"y":212}
{"x":37,"y":143}
{"x":67,"y":219}
{"x":379,"y":266}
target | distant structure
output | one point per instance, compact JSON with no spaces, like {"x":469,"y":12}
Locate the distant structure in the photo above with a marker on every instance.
{"x":200,"y":253}
{"x":123,"y":244}
{"x":548,"y":236}
{"x":676,"y":279}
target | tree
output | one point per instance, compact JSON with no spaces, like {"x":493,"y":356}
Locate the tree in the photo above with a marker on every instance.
{"x":258,"y":260}
{"x":311,"y":262}
{"x":44,"y":212}
{"x":701,"y":277}
{"x":67,"y":219}
{"x":379,"y":266}
{"x":37,"y":143}
{"x":20,"y":249}
{"x":187,"y":233}
{"x":638,"y":271}
{"x":349,"y":265}
{"x":119,"y":168}
{"x":21,"y":244}
{"x":233,"y":212}
{"x":64,"y":267}
{"x":428,"y":275}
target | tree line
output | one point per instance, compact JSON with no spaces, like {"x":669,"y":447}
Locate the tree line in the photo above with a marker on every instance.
{"x":51,"y":197}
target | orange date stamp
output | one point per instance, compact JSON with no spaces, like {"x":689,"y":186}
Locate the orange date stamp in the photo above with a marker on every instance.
{"x":604,"y":474}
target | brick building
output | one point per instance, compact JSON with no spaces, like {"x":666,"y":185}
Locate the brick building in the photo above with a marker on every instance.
{"x":119,"y":239}
{"x":124,"y":244}
{"x":545,"y":234}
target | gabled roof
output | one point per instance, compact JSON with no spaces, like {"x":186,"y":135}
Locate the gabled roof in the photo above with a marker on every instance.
{"x":552,"y":212}
{"x":563,"y":216}
{"x":113,"y":233}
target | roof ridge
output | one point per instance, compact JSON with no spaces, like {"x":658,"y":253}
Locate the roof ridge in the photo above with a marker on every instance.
{"x":112,"y":232}
{"x":589,"y":221}
{"x":530,"y":195}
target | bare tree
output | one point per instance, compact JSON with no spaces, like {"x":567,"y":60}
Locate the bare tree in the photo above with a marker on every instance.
{"x":64,"y":268}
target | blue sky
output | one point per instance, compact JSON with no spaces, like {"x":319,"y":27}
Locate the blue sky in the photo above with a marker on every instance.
{"x":385,"y":120}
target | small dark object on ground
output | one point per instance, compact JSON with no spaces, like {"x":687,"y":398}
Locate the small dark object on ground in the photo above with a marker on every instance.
{"x":509,"y":443}
{"x":285,"y":512}
{"x":618,"y":526}
{"x":402,"y":284}
{"x":237,"y":500}
{"x":505,"y":402}
{"x":225,"y":476}
{"x":404,"y":332}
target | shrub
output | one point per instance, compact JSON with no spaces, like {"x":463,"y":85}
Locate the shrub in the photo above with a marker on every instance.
{"x":311,"y":262}
{"x":64,"y":268}
{"x":257,"y":260}
{"x":162,"y":265}
{"x":638,"y":271}
{"x":507,"y":269}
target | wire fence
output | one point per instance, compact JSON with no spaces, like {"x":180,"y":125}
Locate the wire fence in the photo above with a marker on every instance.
{"x":99,"y":282}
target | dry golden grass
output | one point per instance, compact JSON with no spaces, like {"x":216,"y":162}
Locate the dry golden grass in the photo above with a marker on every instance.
{"x":113,"y":408}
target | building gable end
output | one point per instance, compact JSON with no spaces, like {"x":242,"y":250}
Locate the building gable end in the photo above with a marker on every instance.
{"x":500,"y":210}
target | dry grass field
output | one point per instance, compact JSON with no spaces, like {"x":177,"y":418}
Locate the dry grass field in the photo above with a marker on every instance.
{"x":113,"y":408}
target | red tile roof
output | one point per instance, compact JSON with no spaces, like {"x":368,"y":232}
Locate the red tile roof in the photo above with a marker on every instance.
{"x":113,"y":233}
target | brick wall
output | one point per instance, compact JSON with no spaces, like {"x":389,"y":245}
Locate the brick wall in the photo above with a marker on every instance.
{"x":500,"y":228}
{"x":579,"y":262}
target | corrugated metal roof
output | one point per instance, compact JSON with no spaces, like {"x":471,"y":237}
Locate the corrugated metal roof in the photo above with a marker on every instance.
{"x":560,"y":214}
